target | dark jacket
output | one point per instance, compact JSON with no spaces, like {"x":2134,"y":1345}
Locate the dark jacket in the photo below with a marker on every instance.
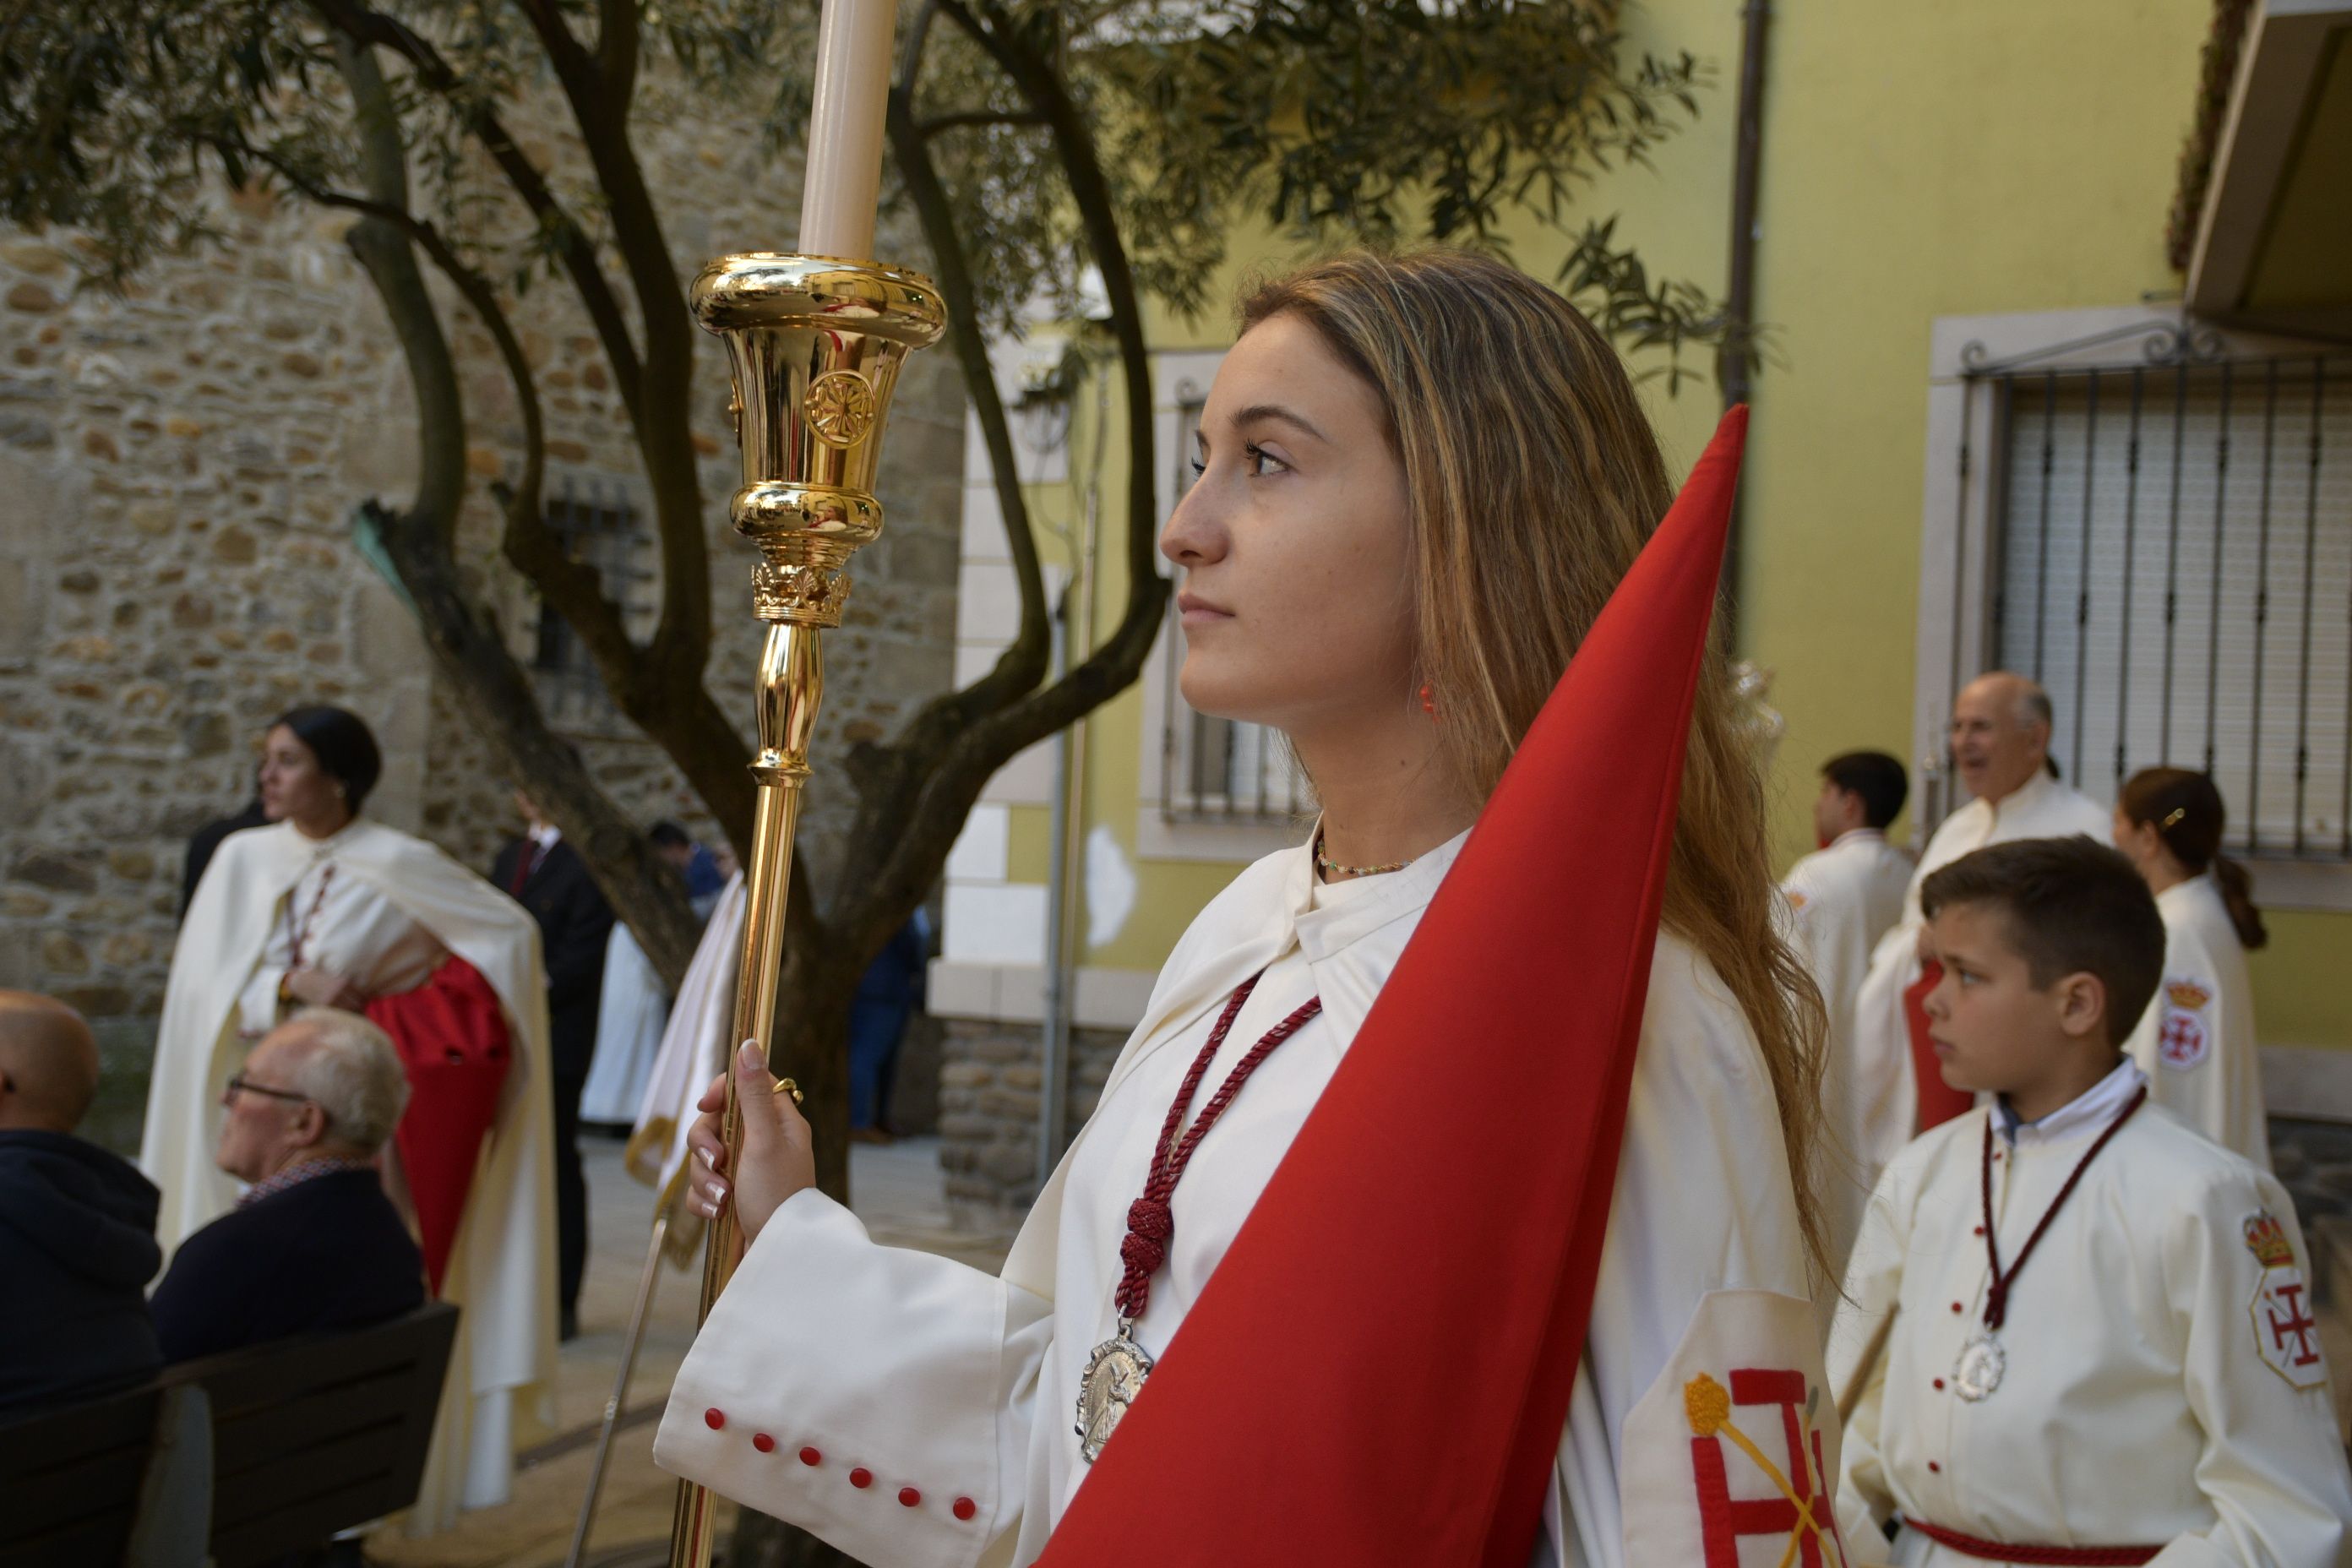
{"x":575,"y":924}
{"x":329,"y":1253}
{"x":77,"y":1249}
{"x":207,"y":840}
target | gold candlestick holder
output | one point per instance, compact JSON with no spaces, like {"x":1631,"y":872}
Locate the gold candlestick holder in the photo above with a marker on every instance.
{"x":815,"y":345}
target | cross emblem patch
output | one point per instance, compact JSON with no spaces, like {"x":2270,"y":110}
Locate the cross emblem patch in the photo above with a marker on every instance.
{"x":2182,"y":1041}
{"x":2286,"y":1332}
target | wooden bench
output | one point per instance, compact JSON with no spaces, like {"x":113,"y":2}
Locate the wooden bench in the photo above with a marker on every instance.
{"x":306,"y":1437}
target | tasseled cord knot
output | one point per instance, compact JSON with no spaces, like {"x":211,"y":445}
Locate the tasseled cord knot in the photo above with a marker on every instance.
{"x":1149,"y":1226}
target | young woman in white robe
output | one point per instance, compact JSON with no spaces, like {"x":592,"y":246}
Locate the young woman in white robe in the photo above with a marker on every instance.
{"x":326,"y":908}
{"x":1420,"y":479}
{"x":2196,"y":1043}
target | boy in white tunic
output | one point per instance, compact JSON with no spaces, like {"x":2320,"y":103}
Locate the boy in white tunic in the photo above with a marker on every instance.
{"x":2077,"y":1332}
{"x":1841,"y":899}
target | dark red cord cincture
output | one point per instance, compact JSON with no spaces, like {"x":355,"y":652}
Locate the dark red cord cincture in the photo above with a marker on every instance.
{"x":2039,"y":1556}
{"x":1996,"y":1294}
{"x":1149,"y":1221}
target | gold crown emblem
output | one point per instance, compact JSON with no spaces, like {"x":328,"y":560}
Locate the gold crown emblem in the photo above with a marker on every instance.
{"x":2266,"y":1239}
{"x":2188,"y":993}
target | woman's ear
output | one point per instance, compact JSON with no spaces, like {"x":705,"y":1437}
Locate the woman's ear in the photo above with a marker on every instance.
{"x":2082,"y":1000}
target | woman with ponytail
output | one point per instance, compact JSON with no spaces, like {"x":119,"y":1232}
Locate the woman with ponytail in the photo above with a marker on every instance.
{"x":2196,"y":1042}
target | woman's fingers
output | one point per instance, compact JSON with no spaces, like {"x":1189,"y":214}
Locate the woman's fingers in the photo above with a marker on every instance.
{"x":775,"y":1161}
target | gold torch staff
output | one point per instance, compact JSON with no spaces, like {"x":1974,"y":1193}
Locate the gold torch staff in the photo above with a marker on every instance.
{"x":815,"y":341}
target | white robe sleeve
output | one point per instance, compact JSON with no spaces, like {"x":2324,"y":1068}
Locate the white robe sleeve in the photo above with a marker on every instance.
{"x":2272,"y":1466}
{"x":831,"y":1361}
{"x":1857,"y":1357}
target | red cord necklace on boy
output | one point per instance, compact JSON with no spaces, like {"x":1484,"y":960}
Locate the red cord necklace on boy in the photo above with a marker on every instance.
{"x":1982,"y":1361}
{"x":1116,"y":1371}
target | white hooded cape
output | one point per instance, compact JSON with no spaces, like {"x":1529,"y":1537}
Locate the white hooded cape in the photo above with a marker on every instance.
{"x":502,"y":1268}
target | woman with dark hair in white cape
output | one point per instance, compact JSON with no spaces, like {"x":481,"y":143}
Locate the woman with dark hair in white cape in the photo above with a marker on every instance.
{"x":326,"y":908}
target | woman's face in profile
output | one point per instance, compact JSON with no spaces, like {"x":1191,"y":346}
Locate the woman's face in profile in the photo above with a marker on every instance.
{"x":293,"y":785}
{"x":1296,"y":543}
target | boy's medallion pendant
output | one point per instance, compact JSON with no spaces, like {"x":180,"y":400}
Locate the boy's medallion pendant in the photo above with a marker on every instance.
{"x":1978,"y":1372}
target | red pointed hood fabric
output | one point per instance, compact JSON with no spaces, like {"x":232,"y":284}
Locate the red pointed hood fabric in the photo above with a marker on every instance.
{"x":1379,"y":1370}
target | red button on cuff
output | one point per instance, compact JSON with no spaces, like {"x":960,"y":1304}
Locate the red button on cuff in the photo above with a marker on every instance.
{"x":1939,"y":1385}
{"x":714,"y":1418}
{"x":909,"y":1497}
{"x":861,"y":1477}
{"x":762,"y":1441}
{"x":811,"y":1456}
{"x":965,"y":1507}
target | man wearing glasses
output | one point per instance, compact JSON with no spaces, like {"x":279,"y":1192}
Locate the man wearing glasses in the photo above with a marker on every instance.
{"x":313,"y":1244}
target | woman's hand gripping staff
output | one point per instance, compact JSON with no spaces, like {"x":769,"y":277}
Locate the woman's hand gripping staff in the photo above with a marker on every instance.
{"x":778,"y":1158}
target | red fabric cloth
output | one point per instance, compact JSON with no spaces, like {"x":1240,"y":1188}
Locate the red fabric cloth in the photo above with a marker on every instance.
{"x":452,"y":1037}
{"x":1938,"y":1101}
{"x":1380,"y":1369}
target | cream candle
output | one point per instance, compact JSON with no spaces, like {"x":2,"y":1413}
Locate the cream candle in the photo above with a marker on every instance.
{"x":844,"y":181}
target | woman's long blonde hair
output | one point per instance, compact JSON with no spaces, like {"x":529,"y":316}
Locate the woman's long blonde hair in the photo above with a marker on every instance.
{"x":1534,"y":481}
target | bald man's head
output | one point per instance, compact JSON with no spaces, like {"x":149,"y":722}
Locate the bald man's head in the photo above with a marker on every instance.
{"x":48,"y":1064}
{"x":2000,"y":734}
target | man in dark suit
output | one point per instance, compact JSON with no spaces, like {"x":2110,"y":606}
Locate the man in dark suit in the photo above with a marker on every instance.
{"x":548,"y":877}
{"x":314,"y":1244}
{"x":207,"y":838}
{"x":76,"y":1223}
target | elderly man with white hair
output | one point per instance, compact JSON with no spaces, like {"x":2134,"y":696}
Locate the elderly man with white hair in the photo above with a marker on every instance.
{"x":313,"y":1244}
{"x":1879,"y":1097}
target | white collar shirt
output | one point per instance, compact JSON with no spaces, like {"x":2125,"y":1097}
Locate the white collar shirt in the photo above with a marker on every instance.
{"x":2091,"y":1110}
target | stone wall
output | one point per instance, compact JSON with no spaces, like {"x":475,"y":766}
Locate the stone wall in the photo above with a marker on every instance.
{"x":177,"y":471}
{"x":991,"y":1080}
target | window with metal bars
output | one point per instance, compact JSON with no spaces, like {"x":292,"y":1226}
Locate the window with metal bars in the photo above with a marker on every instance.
{"x":1216,"y":770}
{"x":600,"y":529}
{"x":2174,"y":563}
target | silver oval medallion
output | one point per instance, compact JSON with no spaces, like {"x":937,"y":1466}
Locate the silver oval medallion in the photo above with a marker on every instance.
{"x":1114,"y":1376}
{"x":1978,"y":1372}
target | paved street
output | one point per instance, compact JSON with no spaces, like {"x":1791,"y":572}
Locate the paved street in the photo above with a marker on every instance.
{"x":896,"y":1190}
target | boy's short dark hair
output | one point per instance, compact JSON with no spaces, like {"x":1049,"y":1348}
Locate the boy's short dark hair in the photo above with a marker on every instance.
{"x":2075,"y":906}
{"x":1877,"y":778}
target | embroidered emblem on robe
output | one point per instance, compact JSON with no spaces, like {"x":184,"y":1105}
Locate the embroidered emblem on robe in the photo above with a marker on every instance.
{"x":1731,"y":1457}
{"x":2183,"y":1040}
{"x":2286,"y":1330}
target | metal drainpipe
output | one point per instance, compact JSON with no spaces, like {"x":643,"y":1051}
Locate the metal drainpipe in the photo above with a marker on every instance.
{"x":1073,"y":643}
{"x":1739,"y":302}
{"x":1055,"y":1056}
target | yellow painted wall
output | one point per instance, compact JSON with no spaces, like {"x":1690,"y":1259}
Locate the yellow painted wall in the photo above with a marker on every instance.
{"x":2003,"y":156}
